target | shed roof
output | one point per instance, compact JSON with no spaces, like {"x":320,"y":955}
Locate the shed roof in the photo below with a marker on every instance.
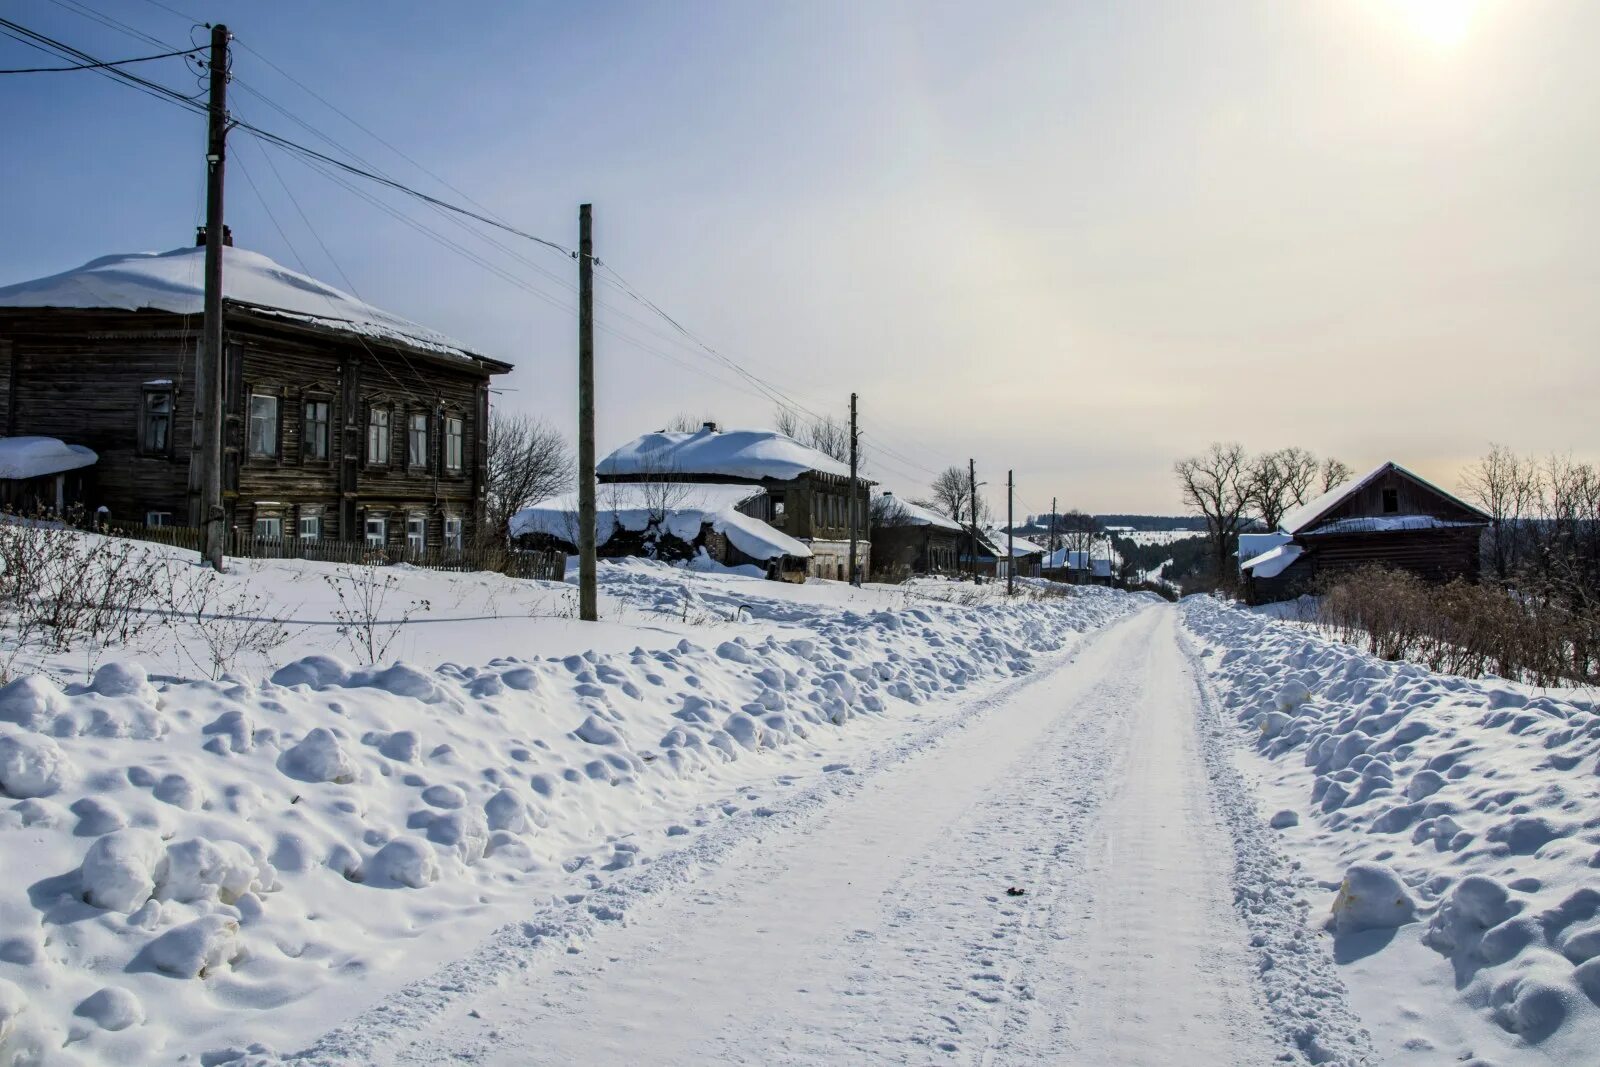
{"x":35,"y":457}
{"x":1307,"y":515}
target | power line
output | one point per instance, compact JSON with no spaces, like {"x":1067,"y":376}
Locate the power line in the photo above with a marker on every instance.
{"x":96,"y":66}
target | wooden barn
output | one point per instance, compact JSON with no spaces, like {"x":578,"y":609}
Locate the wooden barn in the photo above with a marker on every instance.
{"x":909,"y":539}
{"x":1387,"y":517}
{"x":807,"y":494}
{"x":343,"y":421}
{"x":1026,"y":557}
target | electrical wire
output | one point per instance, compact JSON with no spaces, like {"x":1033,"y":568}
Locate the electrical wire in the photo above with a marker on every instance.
{"x":95,"y":66}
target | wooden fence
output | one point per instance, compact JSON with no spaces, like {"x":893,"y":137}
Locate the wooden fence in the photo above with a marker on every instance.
{"x":515,"y":563}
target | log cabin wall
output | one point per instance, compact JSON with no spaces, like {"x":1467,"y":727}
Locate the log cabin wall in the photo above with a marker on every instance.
{"x":86,"y":376}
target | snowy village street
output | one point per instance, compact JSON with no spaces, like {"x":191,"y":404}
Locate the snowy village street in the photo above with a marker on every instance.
{"x":881,"y":930}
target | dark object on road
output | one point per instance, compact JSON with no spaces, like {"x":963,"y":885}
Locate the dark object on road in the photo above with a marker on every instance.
{"x":1015,"y":891}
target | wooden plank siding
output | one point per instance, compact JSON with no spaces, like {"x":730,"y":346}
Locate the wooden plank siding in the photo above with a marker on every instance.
{"x":81,"y":376}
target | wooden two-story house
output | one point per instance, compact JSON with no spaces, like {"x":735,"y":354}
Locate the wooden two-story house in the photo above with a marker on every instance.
{"x":343,"y":421}
{"x":807,"y":493}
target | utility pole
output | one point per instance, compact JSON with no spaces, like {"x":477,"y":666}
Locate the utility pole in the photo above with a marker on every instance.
{"x":1011,"y":537}
{"x":210,"y":377}
{"x":972,"y":486}
{"x":1055,"y":544}
{"x":855,"y":571}
{"x":588,"y":601}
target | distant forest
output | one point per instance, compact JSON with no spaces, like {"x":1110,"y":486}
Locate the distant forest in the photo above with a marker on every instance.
{"x":1154,"y":522}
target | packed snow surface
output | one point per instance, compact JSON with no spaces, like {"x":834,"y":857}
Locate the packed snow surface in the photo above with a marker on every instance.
{"x":729,"y":453}
{"x":677,"y":508}
{"x":223,"y":868}
{"x":34,"y":457}
{"x":174,"y":281}
{"x":1453,"y":830}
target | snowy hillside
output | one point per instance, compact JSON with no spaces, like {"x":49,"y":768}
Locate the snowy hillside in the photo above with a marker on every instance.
{"x":196,"y":865}
{"x":1450,"y":830}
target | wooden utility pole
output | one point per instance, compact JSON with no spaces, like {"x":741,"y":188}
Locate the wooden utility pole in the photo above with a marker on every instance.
{"x":972,"y":487}
{"x":1011,"y":537}
{"x":1055,"y":544}
{"x":210,"y":377}
{"x":855,"y":570}
{"x":588,"y":600}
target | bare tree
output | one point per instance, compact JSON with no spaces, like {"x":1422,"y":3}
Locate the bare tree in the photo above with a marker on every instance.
{"x":826,"y":434}
{"x":683,"y":422}
{"x":529,"y":461}
{"x":887,"y":512}
{"x":952,"y":496}
{"x":1335,"y":472}
{"x":1507,"y":488}
{"x":1214,"y":483}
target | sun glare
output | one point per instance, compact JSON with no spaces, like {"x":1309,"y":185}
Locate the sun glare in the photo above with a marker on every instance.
{"x":1442,"y":23}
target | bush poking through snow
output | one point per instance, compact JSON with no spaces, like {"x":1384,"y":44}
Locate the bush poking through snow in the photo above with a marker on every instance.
{"x":121,"y":869}
{"x":30,"y":766}
{"x":318,"y":758}
{"x":1372,"y":897}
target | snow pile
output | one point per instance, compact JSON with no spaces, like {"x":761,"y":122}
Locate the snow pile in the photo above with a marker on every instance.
{"x":1455,"y":823}
{"x":34,"y":457}
{"x":680,"y":509}
{"x":198,"y":865}
{"x":174,"y":281}
{"x":751,"y":454}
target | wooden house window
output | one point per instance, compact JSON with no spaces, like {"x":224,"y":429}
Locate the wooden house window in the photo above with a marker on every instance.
{"x":155,"y":430}
{"x":1391,"y":501}
{"x":378,"y":436}
{"x":777,"y":507}
{"x":269,"y":526}
{"x":452,"y":533}
{"x":416,"y":534}
{"x":310,"y":527}
{"x":417,"y":439}
{"x":263,"y":425}
{"x":377,"y":531}
{"x":158,"y":518}
{"x":315,"y":433}
{"x":454,"y":443}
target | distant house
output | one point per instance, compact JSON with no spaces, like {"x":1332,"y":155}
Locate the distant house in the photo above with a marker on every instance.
{"x":342,"y":421}
{"x":1026,"y":557}
{"x":1079,"y":567}
{"x":1386,"y":517}
{"x":671,"y":521}
{"x":807,"y":493}
{"x":41,"y":475}
{"x":910,"y":539}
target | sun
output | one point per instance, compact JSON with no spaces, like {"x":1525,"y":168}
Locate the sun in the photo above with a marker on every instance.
{"x":1442,"y":23}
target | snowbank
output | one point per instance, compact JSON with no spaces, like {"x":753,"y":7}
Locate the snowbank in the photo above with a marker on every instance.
{"x":174,"y":281}
{"x":1454,"y":823}
{"x":193,"y":866}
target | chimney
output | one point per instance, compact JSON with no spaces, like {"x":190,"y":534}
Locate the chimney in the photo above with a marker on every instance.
{"x":708,"y":427}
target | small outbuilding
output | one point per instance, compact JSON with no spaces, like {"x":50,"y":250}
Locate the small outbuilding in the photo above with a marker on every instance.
{"x":43,"y":475}
{"x":1387,"y":517}
{"x":910,"y":539}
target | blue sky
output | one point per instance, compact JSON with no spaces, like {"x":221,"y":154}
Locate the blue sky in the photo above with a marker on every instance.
{"x":1075,"y":239}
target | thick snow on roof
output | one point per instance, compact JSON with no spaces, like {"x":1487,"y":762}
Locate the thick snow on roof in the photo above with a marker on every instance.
{"x":1252,"y":545}
{"x":1303,"y":516}
{"x":730,"y":453}
{"x":34,"y":457}
{"x":1274,"y":562}
{"x":686,"y":506}
{"x":916,"y":515}
{"x":174,"y":281}
{"x":1385,"y":524}
{"x":1074,"y":560}
{"x":1019,"y":546}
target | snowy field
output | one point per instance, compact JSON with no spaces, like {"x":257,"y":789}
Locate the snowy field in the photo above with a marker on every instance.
{"x":1156,"y":537}
{"x":226,"y":868}
{"x":1448,"y":829}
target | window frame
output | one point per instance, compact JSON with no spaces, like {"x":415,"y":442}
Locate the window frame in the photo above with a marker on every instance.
{"x":314,"y":517}
{"x":387,"y":452}
{"x":307,"y":401}
{"x":273,"y":519}
{"x":454,"y":443}
{"x":416,"y":534}
{"x":1389,"y":494}
{"x":165,"y":518}
{"x":146,"y":394}
{"x":251,"y":396}
{"x":454,"y":542}
{"x":418,"y":421}
{"x":382,"y":520}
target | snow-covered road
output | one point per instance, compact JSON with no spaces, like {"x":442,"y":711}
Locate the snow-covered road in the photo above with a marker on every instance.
{"x":881,"y":930}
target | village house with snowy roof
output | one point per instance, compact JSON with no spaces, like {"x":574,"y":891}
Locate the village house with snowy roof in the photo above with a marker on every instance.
{"x":343,"y":421}
{"x":1387,"y":517}
{"x":908,"y":538}
{"x":806,"y":494}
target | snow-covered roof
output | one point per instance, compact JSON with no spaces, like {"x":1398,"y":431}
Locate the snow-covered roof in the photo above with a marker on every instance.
{"x":682,"y":508}
{"x":1074,"y":560}
{"x":1019,"y":546}
{"x":34,"y":457}
{"x":730,"y":453}
{"x":1307,"y":514}
{"x":1385,"y":524}
{"x":916,"y":515}
{"x":1252,"y":545}
{"x":1273,"y":562}
{"x":174,"y":281}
